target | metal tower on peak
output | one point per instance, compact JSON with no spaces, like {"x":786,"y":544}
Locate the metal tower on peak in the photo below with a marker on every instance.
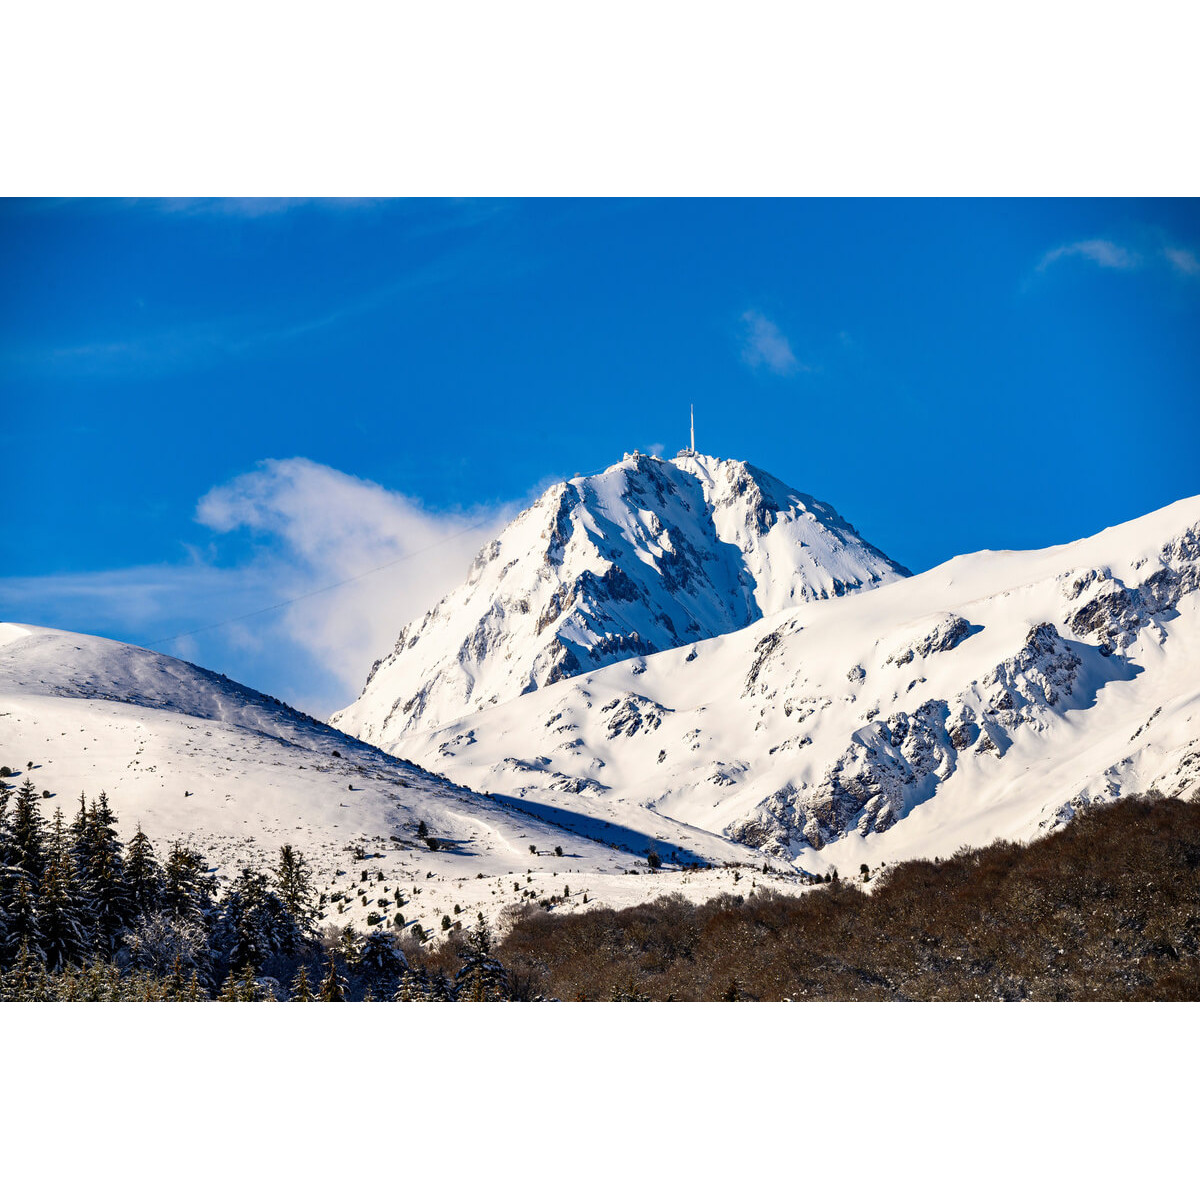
{"x":690,"y":452}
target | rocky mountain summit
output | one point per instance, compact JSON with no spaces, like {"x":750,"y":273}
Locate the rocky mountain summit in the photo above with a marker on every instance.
{"x":647,"y":556}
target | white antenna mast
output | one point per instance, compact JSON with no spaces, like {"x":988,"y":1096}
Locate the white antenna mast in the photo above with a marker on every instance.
{"x":693,"y":408}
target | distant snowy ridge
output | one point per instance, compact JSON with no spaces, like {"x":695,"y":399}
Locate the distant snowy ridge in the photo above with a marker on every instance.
{"x":647,"y":556}
{"x":992,"y":696}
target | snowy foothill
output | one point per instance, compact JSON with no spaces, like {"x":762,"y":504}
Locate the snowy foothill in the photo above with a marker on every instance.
{"x":188,"y":754}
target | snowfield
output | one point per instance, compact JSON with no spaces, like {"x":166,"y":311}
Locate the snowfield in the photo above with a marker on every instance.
{"x":190,"y":754}
{"x":990,"y":697}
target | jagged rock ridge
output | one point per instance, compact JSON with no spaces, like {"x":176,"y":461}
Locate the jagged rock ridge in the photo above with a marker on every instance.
{"x":648,"y":556}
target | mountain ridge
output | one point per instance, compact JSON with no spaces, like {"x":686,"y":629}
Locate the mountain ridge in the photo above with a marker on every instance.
{"x":991,"y":696}
{"x":648,"y":555}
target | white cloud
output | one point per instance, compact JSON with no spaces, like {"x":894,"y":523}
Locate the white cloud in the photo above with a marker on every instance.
{"x":1097,"y":250}
{"x":311,"y":527}
{"x":765,"y":345}
{"x":1184,"y":261}
{"x":330,"y":526}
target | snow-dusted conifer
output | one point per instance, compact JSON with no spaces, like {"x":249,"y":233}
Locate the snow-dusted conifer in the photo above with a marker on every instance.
{"x":188,"y":886}
{"x":62,"y":937}
{"x":333,"y":986}
{"x":481,"y":976}
{"x":301,"y":989}
{"x":24,"y":929}
{"x":143,"y":876}
{"x":27,"y":979}
{"x":81,"y":842}
{"x":28,"y":832}
{"x":102,"y":877}
{"x":381,"y":963}
{"x":254,"y":922}
{"x":409,"y":989}
{"x":293,"y":882}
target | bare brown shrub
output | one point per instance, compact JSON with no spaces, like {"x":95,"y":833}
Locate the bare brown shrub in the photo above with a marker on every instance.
{"x":1107,"y":908}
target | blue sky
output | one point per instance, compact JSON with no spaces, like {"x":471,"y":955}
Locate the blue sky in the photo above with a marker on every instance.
{"x":211,"y":406}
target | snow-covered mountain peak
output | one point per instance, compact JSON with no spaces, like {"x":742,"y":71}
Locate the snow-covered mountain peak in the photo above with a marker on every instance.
{"x":647,"y":555}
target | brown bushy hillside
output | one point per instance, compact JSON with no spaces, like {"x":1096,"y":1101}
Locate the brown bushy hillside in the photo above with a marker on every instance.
{"x":1107,"y":908}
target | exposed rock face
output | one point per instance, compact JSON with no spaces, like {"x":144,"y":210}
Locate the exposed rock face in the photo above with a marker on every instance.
{"x":945,"y":635}
{"x":649,"y":555}
{"x":1113,"y":614}
{"x":632,"y":714}
{"x":894,"y":763}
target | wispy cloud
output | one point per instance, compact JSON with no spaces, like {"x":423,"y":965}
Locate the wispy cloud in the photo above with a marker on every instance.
{"x":254,"y":207}
{"x":1184,"y":261}
{"x":1099,"y":251}
{"x":196,"y":344}
{"x":1152,"y":249}
{"x":764,"y":345}
{"x":310,"y":527}
{"x":222,"y":336}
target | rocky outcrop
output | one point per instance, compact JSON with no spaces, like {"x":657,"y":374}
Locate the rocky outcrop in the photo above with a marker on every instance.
{"x":632,"y":714}
{"x":945,"y":635}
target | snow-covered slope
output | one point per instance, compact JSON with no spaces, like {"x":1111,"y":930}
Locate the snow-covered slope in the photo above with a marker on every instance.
{"x":989,"y":697}
{"x":191,"y":754}
{"x":647,"y":556}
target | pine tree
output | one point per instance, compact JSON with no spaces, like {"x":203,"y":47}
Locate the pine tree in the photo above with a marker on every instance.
{"x":24,"y":928}
{"x":481,"y":977}
{"x":9,"y":875}
{"x":143,"y":876}
{"x":102,"y":876}
{"x":27,"y":980}
{"x":108,"y":897}
{"x":254,"y":923}
{"x":6,"y":850}
{"x":349,"y":944}
{"x":178,"y":984}
{"x":81,"y":838}
{"x":231,"y":990}
{"x":193,"y":991}
{"x":188,"y":887}
{"x":293,"y":882}
{"x":250,"y":987}
{"x":414,"y":986}
{"x":62,"y":938}
{"x":301,"y":991}
{"x":68,"y":984}
{"x":333,"y":986}
{"x":28,"y":833}
{"x":381,"y":962}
